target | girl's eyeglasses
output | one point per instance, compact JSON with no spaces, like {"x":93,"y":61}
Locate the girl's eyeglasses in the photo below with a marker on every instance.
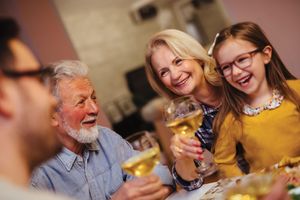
{"x":242,"y":61}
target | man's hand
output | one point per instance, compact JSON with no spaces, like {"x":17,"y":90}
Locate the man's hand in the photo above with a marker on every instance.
{"x":143,"y":188}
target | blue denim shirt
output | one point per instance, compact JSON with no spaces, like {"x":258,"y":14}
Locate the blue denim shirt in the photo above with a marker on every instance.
{"x":96,"y":175}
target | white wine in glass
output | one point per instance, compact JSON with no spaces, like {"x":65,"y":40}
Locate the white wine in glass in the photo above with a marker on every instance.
{"x":186,"y":125}
{"x":183,"y":115}
{"x":144,"y":162}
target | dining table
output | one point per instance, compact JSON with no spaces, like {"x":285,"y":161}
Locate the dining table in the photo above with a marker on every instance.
{"x":215,"y":188}
{"x":192,"y":195}
{"x":209,"y":191}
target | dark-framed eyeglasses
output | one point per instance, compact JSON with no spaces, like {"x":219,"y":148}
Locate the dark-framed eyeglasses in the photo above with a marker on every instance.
{"x":242,"y":61}
{"x":42,"y":74}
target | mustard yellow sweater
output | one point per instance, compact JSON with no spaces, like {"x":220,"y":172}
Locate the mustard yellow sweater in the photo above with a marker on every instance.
{"x":266,"y":137}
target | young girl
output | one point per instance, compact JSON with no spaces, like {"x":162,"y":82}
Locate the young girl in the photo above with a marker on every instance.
{"x":261,"y":102}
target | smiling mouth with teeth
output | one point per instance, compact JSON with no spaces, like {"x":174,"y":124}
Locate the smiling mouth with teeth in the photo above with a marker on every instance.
{"x":181,"y":82}
{"x":244,"y":80}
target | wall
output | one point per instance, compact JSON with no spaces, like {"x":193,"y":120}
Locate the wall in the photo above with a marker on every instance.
{"x":279,"y":19}
{"x":41,"y":28}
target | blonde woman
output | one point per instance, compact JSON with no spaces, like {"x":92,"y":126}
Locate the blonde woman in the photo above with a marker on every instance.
{"x":176,"y":65}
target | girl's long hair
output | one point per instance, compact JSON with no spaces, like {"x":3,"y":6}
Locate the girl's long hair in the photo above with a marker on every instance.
{"x":276,"y":72}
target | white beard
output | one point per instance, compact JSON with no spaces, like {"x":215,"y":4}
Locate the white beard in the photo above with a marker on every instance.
{"x":84,"y":135}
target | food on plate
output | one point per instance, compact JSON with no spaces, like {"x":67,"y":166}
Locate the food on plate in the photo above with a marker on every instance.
{"x":258,"y":185}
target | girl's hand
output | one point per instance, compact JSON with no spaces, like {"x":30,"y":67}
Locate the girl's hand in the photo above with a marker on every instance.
{"x":278,"y":190}
{"x":186,"y":148}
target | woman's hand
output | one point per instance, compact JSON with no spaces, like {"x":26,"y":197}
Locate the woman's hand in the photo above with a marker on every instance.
{"x":186,"y":148}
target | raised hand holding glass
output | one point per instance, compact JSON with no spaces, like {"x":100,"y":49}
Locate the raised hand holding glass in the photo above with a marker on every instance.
{"x":183,"y":115}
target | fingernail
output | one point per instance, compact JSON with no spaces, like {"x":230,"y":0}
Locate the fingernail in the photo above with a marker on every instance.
{"x":200,"y":157}
{"x":199,"y":151}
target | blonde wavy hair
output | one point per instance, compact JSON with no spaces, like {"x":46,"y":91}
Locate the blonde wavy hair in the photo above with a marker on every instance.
{"x":185,"y":47}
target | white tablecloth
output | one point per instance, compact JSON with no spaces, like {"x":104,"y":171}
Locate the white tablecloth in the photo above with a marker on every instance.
{"x":192,"y":195}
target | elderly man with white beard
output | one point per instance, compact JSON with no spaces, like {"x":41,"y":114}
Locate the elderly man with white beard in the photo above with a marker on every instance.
{"x":89,"y":167}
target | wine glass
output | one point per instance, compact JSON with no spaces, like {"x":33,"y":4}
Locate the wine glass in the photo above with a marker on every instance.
{"x":252,"y":186}
{"x":148,"y":157}
{"x":183,"y":115}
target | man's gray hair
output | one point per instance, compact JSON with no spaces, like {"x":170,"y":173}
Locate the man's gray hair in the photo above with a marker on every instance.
{"x":66,"y":69}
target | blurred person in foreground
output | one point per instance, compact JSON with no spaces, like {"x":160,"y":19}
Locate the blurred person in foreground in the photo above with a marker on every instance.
{"x":24,"y":100}
{"x":89,"y":167}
